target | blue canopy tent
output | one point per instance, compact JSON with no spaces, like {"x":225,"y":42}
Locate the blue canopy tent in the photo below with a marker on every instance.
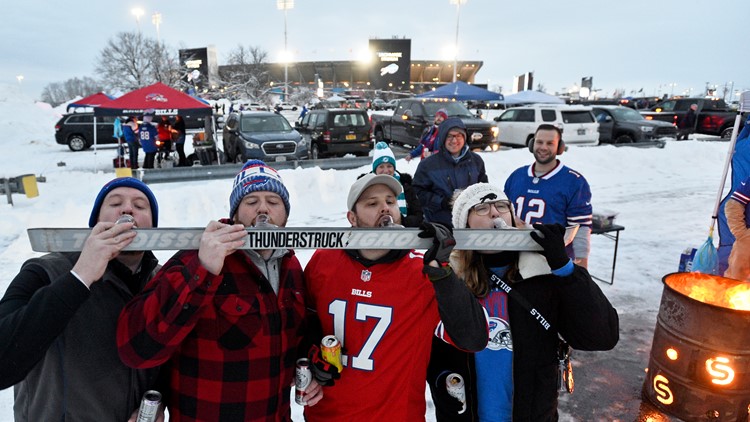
{"x":462,"y":91}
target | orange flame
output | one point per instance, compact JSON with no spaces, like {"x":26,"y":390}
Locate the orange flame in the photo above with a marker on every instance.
{"x":713,"y":290}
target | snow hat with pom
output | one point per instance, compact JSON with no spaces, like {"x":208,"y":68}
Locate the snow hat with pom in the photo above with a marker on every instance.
{"x":382,"y":154}
{"x":473,"y":195}
{"x":442,"y":112}
{"x":124,"y":182}
{"x":256,"y":176}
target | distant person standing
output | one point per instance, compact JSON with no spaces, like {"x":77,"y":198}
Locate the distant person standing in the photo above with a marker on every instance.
{"x":147,"y":135}
{"x":179,"y":129}
{"x":129,"y":132}
{"x":687,"y":123}
{"x":427,"y":145}
{"x":452,"y":168}
{"x":548,"y":192}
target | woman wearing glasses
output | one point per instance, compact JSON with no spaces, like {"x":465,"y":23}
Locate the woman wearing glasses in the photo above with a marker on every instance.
{"x":530,"y":298}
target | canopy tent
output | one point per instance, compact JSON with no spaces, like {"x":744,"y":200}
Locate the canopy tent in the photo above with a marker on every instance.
{"x":532,"y":97}
{"x":163,"y":99}
{"x":462,"y":91}
{"x":91,"y":101}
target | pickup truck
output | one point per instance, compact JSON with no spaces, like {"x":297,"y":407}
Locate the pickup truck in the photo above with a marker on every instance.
{"x":623,"y":125}
{"x":713,"y":117}
{"x":413,"y":115}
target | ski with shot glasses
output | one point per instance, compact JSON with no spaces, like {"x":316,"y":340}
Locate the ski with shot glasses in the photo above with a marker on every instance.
{"x":271,"y":237}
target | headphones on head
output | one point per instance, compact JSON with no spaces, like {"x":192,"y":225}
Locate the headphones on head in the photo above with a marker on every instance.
{"x":560,"y":144}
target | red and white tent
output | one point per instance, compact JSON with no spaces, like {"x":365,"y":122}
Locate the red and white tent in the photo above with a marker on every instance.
{"x":163,"y":99}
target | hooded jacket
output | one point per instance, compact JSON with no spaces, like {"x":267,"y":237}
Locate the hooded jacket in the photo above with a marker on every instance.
{"x":440,"y":175}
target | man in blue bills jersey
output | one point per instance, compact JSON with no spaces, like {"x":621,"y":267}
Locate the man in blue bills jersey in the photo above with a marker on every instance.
{"x":549,"y":192}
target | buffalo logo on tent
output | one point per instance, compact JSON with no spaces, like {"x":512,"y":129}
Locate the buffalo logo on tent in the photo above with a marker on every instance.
{"x":156,"y":97}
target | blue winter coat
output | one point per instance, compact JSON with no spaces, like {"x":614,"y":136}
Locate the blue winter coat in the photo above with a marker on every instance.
{"x":439,"y":175}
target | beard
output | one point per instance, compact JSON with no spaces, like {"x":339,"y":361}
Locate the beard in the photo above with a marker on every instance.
{"x":550,"y":158}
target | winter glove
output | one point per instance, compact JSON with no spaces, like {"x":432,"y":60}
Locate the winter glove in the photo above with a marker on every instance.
{"x":324,"y":372}
{"x":444,"y":402}
{"x":442,"y":242}
{"x":553,"y":244}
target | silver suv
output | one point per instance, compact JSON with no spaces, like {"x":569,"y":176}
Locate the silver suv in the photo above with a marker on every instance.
{"x":517,"y":125}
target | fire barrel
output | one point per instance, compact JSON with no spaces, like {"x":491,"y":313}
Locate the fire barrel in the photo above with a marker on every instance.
{"x":699,"y":367}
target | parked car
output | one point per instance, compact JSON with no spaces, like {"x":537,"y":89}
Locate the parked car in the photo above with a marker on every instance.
{"x":622,"y":125}
{"x":338,"y":131}
{"x":261,"y":135}
{"x":517,"y":125}
{"x":713,"y":116}
{"x":391,"y":105}
{"x":76,"y":130}
{"x":286,"y":106}
{"x":413,"y":115}
{"x":378,"y":104}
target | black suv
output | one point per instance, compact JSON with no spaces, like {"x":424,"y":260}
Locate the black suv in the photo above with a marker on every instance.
{"x":621,"y":125}
{"x":336,"y":131}
{"x":76,"y":130}
{"x":261,"y":135}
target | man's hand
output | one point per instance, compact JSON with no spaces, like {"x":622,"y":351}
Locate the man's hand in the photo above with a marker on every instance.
{"x":553,"y":244}
{"x":313,"y":393}
{"x":323,"y":372}
{"x":218,"y":241}
{"x":442,"y":243}
{"x":103,"y":244}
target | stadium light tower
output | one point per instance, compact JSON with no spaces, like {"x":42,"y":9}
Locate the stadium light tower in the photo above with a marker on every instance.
{"x":137,"y":12}
{"x":458,"y":4}
{"x":156,"y":20}
{"x":285,"y":5}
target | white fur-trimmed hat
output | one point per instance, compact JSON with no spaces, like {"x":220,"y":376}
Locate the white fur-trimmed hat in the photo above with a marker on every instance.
{"x":473,"y":195}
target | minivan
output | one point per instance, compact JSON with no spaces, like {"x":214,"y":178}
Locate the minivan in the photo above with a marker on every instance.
{"x":336,"y":131}
{"x":517,"y":125}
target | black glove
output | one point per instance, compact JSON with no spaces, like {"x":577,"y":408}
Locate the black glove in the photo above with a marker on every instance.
{"x":324,"y":372}
{"x":442,"y":242}
{"x":444,"y":402}
{"x":553,"y":243}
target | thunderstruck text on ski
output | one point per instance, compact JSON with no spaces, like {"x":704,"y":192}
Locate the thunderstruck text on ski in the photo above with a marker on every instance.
{"x":72,"y":240}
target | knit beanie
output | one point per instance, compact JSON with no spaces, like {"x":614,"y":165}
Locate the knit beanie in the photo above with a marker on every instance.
{"x":126,"y":182}
{"x":442,"y":112}
{"x":256,"y":176}
{"x":473,"y":195}
{"x":382,"y":154}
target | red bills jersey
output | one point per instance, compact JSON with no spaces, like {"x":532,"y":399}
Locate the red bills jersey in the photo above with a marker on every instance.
{"x":385,"y":316}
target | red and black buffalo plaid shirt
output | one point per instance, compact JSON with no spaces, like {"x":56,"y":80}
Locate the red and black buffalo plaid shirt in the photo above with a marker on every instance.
{"x":228,"y":342}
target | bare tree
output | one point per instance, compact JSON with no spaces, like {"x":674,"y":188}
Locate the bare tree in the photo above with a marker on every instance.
{"x":131,"y":61}
{"x":57,"y":93}
{"x":246,"y":73}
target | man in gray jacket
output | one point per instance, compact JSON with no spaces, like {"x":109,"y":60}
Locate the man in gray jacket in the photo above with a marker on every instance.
{"x":58,"y":318}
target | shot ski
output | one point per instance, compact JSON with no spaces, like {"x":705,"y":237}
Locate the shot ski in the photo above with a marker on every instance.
{"x":72,"y":240}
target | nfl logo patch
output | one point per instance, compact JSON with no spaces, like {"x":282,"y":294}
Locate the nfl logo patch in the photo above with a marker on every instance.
{"x":366,"y":275}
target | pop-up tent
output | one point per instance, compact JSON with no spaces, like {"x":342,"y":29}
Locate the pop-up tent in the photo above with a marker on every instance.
{"x":532,"y":97}
{"x":462,"y":91}
{"x":93,"y":100}
{"x":163,"y":99}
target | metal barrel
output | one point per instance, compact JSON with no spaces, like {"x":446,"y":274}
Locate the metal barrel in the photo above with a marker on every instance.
{"x":699,"y":366}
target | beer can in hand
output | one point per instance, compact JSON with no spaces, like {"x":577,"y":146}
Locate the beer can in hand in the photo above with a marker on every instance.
{"x":330,"y":348}
{"x":149,"y":406}
{"x":302,"y":380}
{"x":454,"y":383}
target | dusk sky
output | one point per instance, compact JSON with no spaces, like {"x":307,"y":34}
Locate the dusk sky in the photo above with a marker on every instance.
{"x":667,"y":46}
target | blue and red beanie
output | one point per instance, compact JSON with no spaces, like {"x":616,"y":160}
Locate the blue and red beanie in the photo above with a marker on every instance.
{"x":256,"y":176}
{"x":125,"y":182}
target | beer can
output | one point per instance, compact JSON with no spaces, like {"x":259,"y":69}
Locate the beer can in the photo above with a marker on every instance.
{"x":454,"y":383}
{"x":302,"y":380}
{"x":149,"y":406}
{"x":330,"y":348}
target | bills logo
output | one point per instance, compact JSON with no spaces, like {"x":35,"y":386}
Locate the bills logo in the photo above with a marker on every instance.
{"x":366,"y":275}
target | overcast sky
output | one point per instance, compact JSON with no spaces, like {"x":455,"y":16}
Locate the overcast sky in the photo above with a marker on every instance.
{"x":662,"y":46}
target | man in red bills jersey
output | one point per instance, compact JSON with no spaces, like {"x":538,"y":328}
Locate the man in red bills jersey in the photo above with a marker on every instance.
{"x":385,"y":306}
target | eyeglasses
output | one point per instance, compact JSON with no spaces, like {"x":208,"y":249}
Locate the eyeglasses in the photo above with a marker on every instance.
{"x":455,"y":136}
{"x":502,"y":206}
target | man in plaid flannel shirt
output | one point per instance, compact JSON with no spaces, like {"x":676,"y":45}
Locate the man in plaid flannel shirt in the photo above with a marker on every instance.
{"x":225,"y":322}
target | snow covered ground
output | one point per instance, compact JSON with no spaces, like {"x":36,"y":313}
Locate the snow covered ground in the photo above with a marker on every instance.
{"x":664,"y":198}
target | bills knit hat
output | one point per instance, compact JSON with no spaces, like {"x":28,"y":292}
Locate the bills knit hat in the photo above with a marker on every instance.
{"x":382,"y":154}
{"x":125,"y":182}
{"x":442,"y":112}
{"x":256,"y":176}
{"x":473,"y":195}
